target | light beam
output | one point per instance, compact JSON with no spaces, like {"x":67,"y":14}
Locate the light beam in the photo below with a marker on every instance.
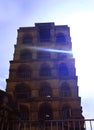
{"x":51,"y":50}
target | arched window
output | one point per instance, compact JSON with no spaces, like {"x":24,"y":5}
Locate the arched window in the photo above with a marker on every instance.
{"x":63,"y":70}
{"x":25,"y":55}
{"x":65,"y":90}
{"x":24,"y":112}
{"x":66,"y":112}
{"x":45,"y":112}
{"x":24,"y":72}
{"x":60,"y":38}
{"x":45,"y":70}
{"x":45,"y":90}
{"x":43,"y":55}
{"x":22,"y":91}
{"x":27,"y":39}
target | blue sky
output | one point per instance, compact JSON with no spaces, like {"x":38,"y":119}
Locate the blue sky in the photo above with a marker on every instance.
{"x":77,"y":14}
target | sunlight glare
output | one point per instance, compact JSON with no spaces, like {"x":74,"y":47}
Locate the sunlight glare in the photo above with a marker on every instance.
{"x":51,"y":50}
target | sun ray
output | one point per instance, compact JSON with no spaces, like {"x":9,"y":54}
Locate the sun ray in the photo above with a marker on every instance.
{"x":51,"y":50}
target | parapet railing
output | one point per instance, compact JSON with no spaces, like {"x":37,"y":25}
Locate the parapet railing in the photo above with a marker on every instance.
{"x":72,"y":124}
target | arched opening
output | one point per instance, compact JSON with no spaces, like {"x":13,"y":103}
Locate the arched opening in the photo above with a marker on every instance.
{"x":24,"y":72}
{"x":24,"y":112}
{"x":22,"y":91}
{"x":45,"y":70}
{"x":45,"y":90}
{"x":60,"y":38}
{"x":63,"y":70}
{"x":26,"y":55}
{"x":45,"y":112}
{"x":66,"y":112}
{"x":65,"y":90}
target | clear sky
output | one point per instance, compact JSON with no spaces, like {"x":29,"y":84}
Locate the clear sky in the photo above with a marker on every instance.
{"x":77,"y":14}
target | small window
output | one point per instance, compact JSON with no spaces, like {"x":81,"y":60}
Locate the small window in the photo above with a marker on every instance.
{"x":60,"y":38}
{"x":27,"y":39}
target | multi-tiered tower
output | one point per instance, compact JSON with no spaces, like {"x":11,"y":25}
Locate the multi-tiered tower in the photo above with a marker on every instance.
{"x":42,"y":76}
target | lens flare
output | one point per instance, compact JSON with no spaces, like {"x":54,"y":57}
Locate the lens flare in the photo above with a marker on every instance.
{"x":51,"y":50}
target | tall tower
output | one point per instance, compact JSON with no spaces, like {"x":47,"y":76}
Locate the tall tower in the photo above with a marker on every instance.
{"x":42,"y":76}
